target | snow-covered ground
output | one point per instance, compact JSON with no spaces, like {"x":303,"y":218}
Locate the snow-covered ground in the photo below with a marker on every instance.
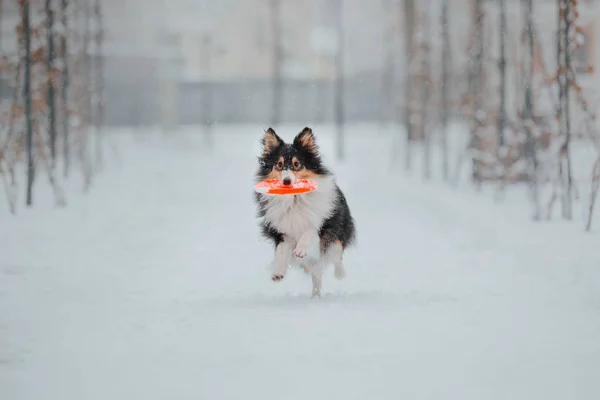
{"x":155,"y":286}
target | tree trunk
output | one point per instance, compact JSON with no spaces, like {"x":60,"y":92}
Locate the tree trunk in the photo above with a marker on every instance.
{"x":87,"y":93}
{"x":339,"y":82}
{"x":593,"y":193}
{"x":51,"y":82}
{"x":27,"y":100}
{"x":65,"y":87}
{"x":444,"y":89}
{"x":425,"y":89}
{"x":99,"y":82}
{"x":476,"y":88}
{"x":564,"y":80}
{"x":530,"y":142}
{"x":8,"y":155}
{"x":277,"y":62}
{"x":409,"y":29}
{"x":568,"y":194}
{"x":387,"y":76}
{"x":502,"y":106}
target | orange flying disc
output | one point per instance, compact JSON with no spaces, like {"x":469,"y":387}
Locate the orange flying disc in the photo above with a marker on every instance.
{"x":275,"y":187}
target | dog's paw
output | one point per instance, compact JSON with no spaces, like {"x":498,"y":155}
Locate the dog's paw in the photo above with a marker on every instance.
{"x":304,"y":251}
{"x":339,"y":272}
{"x":277,"y":277}
{"x":308,"y":246}
{"x":300,"y":251}
{"x":316,"y":293}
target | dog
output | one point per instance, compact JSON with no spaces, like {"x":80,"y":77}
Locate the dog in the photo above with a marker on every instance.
{"x":310,"y":230}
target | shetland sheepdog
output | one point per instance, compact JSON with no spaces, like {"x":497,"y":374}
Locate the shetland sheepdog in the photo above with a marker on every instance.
{"x":310,"y":230}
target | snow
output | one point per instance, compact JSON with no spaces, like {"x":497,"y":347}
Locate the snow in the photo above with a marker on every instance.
{"x":154,"y":286}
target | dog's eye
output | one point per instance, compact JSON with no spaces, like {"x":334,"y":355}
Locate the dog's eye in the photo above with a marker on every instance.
{"x":279,"y":165}
{"x":296,"y":164}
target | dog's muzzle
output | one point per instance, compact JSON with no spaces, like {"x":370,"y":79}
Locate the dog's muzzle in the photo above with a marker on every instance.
{"x":287,"y":177}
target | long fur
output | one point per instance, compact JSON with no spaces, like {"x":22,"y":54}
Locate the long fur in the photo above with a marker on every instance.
{"x":317,"y":225}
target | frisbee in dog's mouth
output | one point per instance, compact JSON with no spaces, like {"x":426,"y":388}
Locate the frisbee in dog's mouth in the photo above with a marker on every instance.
{"x":277,"y":188}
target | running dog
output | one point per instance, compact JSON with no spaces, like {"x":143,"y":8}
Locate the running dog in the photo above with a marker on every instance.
{"x":310,"y":230}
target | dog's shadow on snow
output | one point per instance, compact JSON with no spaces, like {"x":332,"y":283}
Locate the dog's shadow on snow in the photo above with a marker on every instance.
{"x":360,"y":298}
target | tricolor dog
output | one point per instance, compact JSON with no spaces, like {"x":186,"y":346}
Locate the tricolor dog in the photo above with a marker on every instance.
{"x":310,"y":230}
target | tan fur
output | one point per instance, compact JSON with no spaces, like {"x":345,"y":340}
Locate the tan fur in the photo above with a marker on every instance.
{"x":307,"y":140}
{"x":271,"y":141}
{"x":306,"y":174}
{"x":294,"y":167}
{"x":341,"y":245}
{"x":274,"y":174}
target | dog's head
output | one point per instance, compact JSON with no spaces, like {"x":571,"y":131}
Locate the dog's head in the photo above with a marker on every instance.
{"x":288,"y":162}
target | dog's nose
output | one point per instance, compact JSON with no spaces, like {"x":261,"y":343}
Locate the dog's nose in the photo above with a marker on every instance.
{"x":287,"y":181}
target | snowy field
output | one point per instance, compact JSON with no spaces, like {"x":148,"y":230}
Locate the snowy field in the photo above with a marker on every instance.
{"x":154,"y":286}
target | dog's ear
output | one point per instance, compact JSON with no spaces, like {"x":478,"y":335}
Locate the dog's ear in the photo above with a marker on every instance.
{"x":270,"y":142}
{"x":306,"y":140}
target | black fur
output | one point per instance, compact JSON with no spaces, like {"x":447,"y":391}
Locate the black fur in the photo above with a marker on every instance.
{"x":309,"y":159}
{"x":339,"y":225}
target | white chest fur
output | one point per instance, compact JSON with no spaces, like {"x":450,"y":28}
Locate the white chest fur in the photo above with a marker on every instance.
{"x":294,"y":215}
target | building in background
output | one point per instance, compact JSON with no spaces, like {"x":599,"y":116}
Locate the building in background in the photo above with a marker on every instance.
{"x":228,"y":44}
{"x":162,"y":53}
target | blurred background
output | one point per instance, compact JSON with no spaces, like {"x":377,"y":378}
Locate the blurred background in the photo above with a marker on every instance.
{"x":504,"y":83}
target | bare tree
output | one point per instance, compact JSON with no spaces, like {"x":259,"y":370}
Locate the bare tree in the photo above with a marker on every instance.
{"x":9,"y":149}
{"x":409,"y":31}
{"x":445,"y":62}
{"x":275,"y":6}
{"x":25,"y":16}
{"x":527,"y":115}
{"x":339,"y":81}
{"x":51,"y":82}
{"x":564,"y":66}
{"x":476,"y":87}
{"x":387,"y":76}
{"x":64,"y":90}
{"x":33,"y":113}
{"x":593,"y":192}
{"x":502,"y":106}
{"x":98,"y":114}
{"x":87,"y":98}
{"x":424,"y":38}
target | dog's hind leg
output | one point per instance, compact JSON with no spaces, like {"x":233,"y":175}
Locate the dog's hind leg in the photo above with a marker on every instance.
{"x":317,"y":279}
{"x":335,"y":254}
{"x":283,"y":253}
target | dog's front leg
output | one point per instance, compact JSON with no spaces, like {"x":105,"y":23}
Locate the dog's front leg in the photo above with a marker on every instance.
{"x":283,"y":254}
{"x":308,"y":246}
